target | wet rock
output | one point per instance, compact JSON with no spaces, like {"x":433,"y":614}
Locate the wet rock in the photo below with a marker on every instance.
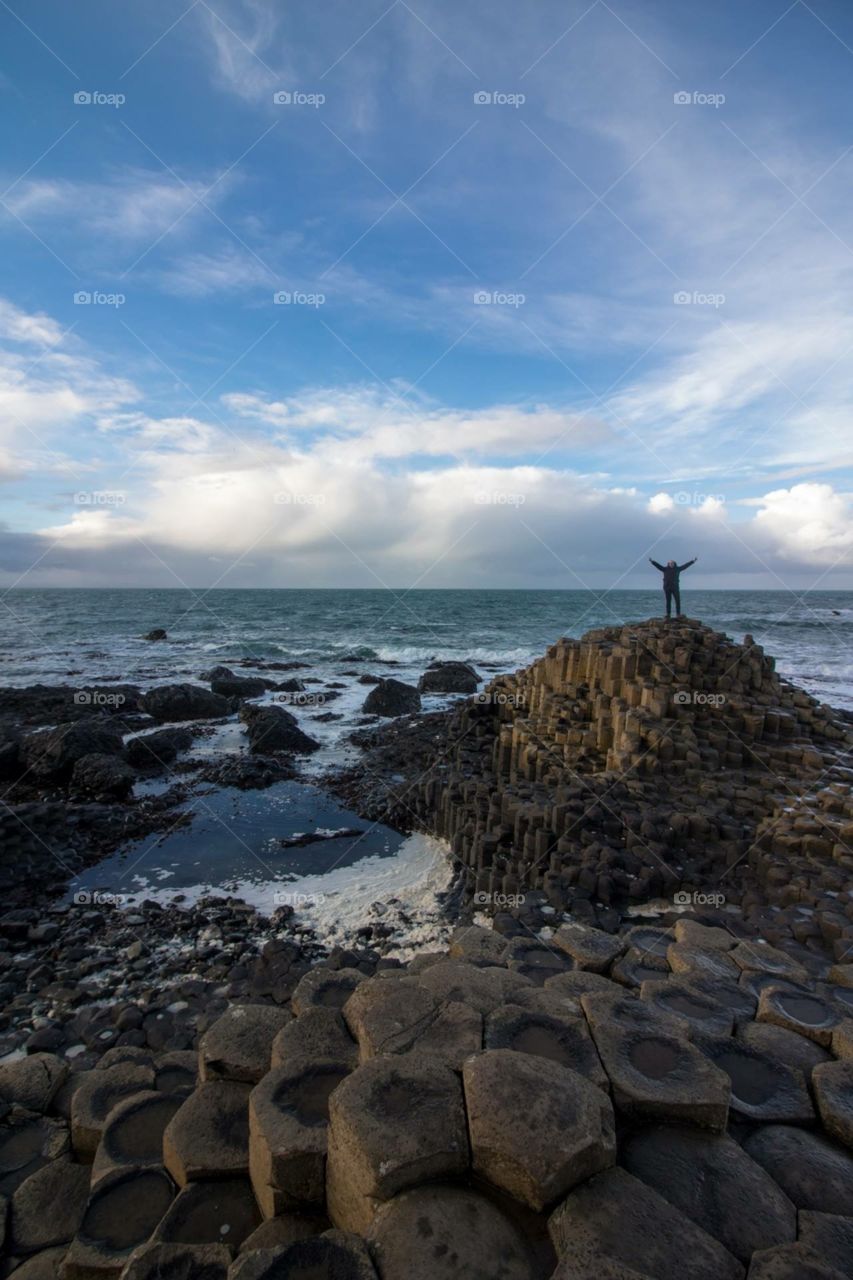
{"x":317,"y":1033}
{"x":483,"y":988}
{"x":706,"y":937}
{"x":208,"y":1137}
{"x":158,"y":633}
{"x":238,"y":1045}
{"x":154,"y":751}
{"x":133,"y":1133}
{"x":392,"y":698}
{"x":48,"y":1207}
{"x":476,"y":945}
{"x":271,"y":729}
{"x":223,"y":681}
{"x":619,"y":1217}
{"x":179,"y":1262}
{"x":42,"y":1266}
{"x":285,"y":1228}
{"x":210,"y":1212}
{"x":51,"y":754}
{"x":183,"y":702}
{"x":801,"y":1011}
{"x":27,"y":1143}
{"x":761,"y":1087}
{"x":832,"y":1083}
{"x":393,"y":1123}
{"x":288,"y":1121}
{"x":397,"y":1016}
{"x":710,"y":1178}
{"x":32,"y":1082}
{"x":459,"y":1233}
{"x":813,"y":1172}
{"x":449,"y":677}
{"x":787,"y":1047}
{"x":698,"y":1012}
{"x":759,"y":957}
{"x":123,"y":1210}
{"x":325,"y":988}
{"x":536,"y":1127}
{"x":104,"y":777}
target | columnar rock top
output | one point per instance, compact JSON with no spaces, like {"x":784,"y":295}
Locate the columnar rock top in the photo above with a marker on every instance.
{"x":539,"y":1112}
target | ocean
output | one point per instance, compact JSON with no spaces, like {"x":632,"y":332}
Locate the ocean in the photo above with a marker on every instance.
{"x":233,"y":840}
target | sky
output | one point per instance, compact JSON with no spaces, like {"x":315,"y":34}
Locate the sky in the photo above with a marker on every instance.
{"x":435,"y":294}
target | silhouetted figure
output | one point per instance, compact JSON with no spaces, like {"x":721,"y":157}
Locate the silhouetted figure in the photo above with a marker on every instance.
{"x":672,"y":589}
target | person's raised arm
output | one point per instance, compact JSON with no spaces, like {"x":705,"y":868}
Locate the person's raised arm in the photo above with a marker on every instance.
{"x":682,"y":567}
{"x":655,"y":563}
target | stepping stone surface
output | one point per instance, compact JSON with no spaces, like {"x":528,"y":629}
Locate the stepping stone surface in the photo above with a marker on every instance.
{"x":536,"y":1128}
{"x":238,"y":1045}
{"x":48,"y":1207}
{"x":832,"y":1083}
{"x":179,"y":1262}
{"x":133,"y":1133}
{"x":208,"y":1136}
{"x":123,"y":1210}
{"x":222,"y":1212}
{"x":813,"y":1172}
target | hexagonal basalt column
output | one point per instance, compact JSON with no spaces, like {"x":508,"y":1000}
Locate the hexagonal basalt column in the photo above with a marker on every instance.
{"x":397,"y":1015}
{"x":325,"y":988}
{"x":443,"y":1233}
{"x":334,"y":1254}
{"x":805,"y":1012}
{"x":832,"y":1083}
{"x":208,"y":1137}
{"x":288,"y":1121}
{"x":238,"y":1045}
{"x":762,"y":1088}
{"x":392,"y":1123}
{"x":133,"y":1134}
{"x":655,"y":1072}
{"x":181,"y":1261}
{"x":536,"y":1128}
{"x":123,"y":1210}
{"x":95,"y":1098}
{"x":317,"y":1033}
{"x":556,"y":1036}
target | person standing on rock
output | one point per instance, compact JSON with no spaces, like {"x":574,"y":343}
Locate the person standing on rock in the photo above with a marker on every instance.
{"x":671,"y":586}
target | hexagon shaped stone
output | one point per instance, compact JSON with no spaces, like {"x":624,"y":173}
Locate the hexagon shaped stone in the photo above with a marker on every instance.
{"x":238,"y":1045}
{"x":393,"y":1123}
{"x":288,"y":1121}
{"x":325,"y":988}
{"x":208,"y":1136}
{"x":536,"y":1128}
{"x":133,"y":1134}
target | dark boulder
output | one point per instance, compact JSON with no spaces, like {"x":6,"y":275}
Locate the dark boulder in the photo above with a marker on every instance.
{"x":392,"y":698}
{"x":53,"y":753}
{"x":183,"y":702}
{"x":157,"y":634}
{"x":223,"y":681}
{"x":271,"y":729}
{"x":10,"y":745}
{"x":154,"y":751}
{"x":104,"y":777}
{"x":449,"y":677}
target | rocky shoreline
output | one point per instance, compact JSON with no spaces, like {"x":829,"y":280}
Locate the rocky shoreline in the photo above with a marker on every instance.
{"x":638,"y":1046}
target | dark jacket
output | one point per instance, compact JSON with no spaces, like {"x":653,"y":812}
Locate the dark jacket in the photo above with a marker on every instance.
{"x":671,"y":572}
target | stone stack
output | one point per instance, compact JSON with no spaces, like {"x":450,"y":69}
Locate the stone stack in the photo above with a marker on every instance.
{"x":588,"y":1105}
{"x":645,"y":760}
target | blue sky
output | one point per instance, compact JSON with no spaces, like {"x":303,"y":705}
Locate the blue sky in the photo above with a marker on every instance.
{"x":559,"y":288}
